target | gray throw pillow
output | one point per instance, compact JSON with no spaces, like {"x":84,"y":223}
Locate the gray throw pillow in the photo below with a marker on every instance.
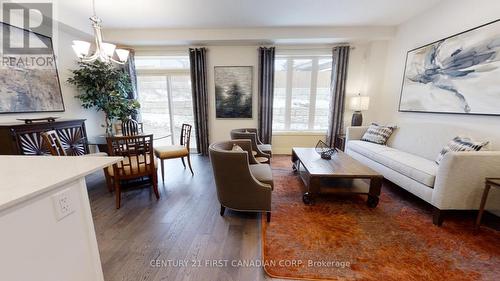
{"x":378,"y":134}
{"x":460,"y":144}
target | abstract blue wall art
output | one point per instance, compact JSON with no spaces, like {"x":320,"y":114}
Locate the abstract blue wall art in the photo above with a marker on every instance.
{"x":459,"y":74}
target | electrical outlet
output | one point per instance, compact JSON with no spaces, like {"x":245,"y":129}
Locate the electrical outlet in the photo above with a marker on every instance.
{"x":63,"y":204}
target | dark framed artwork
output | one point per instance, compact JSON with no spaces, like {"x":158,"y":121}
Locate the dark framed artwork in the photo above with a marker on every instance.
{"x":458,"y":74}
{"x":29,"y":81}
{"x":233,"y":91}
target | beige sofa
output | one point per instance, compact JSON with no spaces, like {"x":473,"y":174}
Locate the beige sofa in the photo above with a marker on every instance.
{"x":408,"y":161}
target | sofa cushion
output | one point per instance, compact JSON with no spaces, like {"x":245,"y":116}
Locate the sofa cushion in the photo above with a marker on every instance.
{"x":410,"y":165}
{"x":263,"y":173}
{"x":365,"y":148}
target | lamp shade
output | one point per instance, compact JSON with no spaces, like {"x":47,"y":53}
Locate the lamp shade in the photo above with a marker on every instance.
{"x":359,"y":103}
{"x":81,"y":48}
{"x":108,"y":48}
{"x":122,"y":54}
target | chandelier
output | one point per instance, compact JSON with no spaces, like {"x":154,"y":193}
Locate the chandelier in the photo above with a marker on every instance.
{"x":103,"y":51}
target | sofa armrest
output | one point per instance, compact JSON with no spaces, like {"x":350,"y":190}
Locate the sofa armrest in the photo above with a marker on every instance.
{"x":460,"y":180}
{"x":355,"y":133}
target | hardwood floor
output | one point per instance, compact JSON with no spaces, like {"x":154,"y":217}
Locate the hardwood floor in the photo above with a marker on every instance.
{"x":183,"y":225}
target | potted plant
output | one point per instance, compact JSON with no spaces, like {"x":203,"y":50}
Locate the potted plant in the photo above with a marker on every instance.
{"x":105,"y":88}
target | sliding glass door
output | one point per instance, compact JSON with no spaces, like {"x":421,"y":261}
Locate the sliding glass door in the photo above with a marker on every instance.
{"x":164,"y":87}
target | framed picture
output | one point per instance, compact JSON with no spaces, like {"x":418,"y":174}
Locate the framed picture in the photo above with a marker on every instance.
{"x":459,"y":74}
{"x":29,"y":81}
{"x":233,"y":91}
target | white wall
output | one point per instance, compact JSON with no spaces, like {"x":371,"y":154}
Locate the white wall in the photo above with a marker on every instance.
{"x":66,"y":60}
{"x":447,"y":18}
{"x":230,"y":56}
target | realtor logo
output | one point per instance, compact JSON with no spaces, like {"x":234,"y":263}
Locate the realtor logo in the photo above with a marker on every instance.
{"x":27,"y":28}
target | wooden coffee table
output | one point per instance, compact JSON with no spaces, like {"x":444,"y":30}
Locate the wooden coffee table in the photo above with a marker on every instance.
{"x":341,"y":174}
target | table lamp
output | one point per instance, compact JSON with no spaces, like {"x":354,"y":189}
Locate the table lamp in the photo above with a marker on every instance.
{"x":357,"y":104}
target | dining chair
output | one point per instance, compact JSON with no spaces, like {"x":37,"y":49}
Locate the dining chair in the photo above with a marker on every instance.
{"x":138,"y":162}
{"x":176,"y":151}
{"x":129,"y":127}
{"x":53,"y":143}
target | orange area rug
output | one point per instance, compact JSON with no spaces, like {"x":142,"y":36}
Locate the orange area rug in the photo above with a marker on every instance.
{"x":340,"y":238}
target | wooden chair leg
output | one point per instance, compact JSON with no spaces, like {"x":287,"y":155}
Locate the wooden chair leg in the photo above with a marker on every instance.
{"x":118,"y":193}
{"x":183,"y":164}
{"x":222,"y":210}
{"x":162,"y":170}
{"x":155,"y":184}
{"x":109,"y":183}
{"x":189,"y":163}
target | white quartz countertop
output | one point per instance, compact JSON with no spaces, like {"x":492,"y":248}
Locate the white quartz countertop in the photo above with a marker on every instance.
{"x":25,"y":177}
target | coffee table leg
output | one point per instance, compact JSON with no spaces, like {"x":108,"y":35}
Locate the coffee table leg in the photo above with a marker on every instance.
{"x":374,"y":192}
{"x":312,"y":190}
{"x":481,"y":207}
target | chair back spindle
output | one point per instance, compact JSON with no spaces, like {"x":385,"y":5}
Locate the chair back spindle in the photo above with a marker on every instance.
{"x":137,"y":152}
{"x":131,"y":127}
{"x":185,"y":135}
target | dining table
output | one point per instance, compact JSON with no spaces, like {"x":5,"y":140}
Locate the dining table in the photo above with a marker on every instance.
{"x":102,"y":145}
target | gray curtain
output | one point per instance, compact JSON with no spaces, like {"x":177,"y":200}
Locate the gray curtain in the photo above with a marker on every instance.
{"x":340,"y":61}
{"x":266,"y":93}
{"x":129,"y":68}
{"x":198,"y":61}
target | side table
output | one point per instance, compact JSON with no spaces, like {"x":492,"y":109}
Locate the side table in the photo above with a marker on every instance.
{"x":340,"y":142}
{"x":495,"y":182}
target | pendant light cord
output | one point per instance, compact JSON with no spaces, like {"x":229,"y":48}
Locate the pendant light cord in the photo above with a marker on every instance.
{"x":93,"y":7}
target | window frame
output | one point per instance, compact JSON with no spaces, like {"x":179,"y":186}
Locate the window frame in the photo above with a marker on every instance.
{"x":313,"y":90}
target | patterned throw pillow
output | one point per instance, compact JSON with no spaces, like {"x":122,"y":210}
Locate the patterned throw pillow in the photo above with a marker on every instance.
{"x":460,"y":144}
{"x":378,"y":134}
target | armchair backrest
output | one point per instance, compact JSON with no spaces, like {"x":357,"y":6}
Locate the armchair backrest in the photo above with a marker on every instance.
{"x":231,"y":169}
{"x":246,"y":133}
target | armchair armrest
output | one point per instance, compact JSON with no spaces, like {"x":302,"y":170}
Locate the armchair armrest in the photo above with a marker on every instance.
{"x":355,"y":133}
{"x":460,"y":180}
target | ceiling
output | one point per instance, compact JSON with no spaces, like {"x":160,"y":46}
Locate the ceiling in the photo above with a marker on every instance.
{"x":240,"y":13}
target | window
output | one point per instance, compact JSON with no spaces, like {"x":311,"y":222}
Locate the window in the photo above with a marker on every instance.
{"x":164,"y":86}
{"x":301,"y":92}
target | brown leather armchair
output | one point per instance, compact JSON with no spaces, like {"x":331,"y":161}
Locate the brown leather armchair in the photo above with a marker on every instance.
{"x":261,"y":151}
{"x":243,"y":184}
